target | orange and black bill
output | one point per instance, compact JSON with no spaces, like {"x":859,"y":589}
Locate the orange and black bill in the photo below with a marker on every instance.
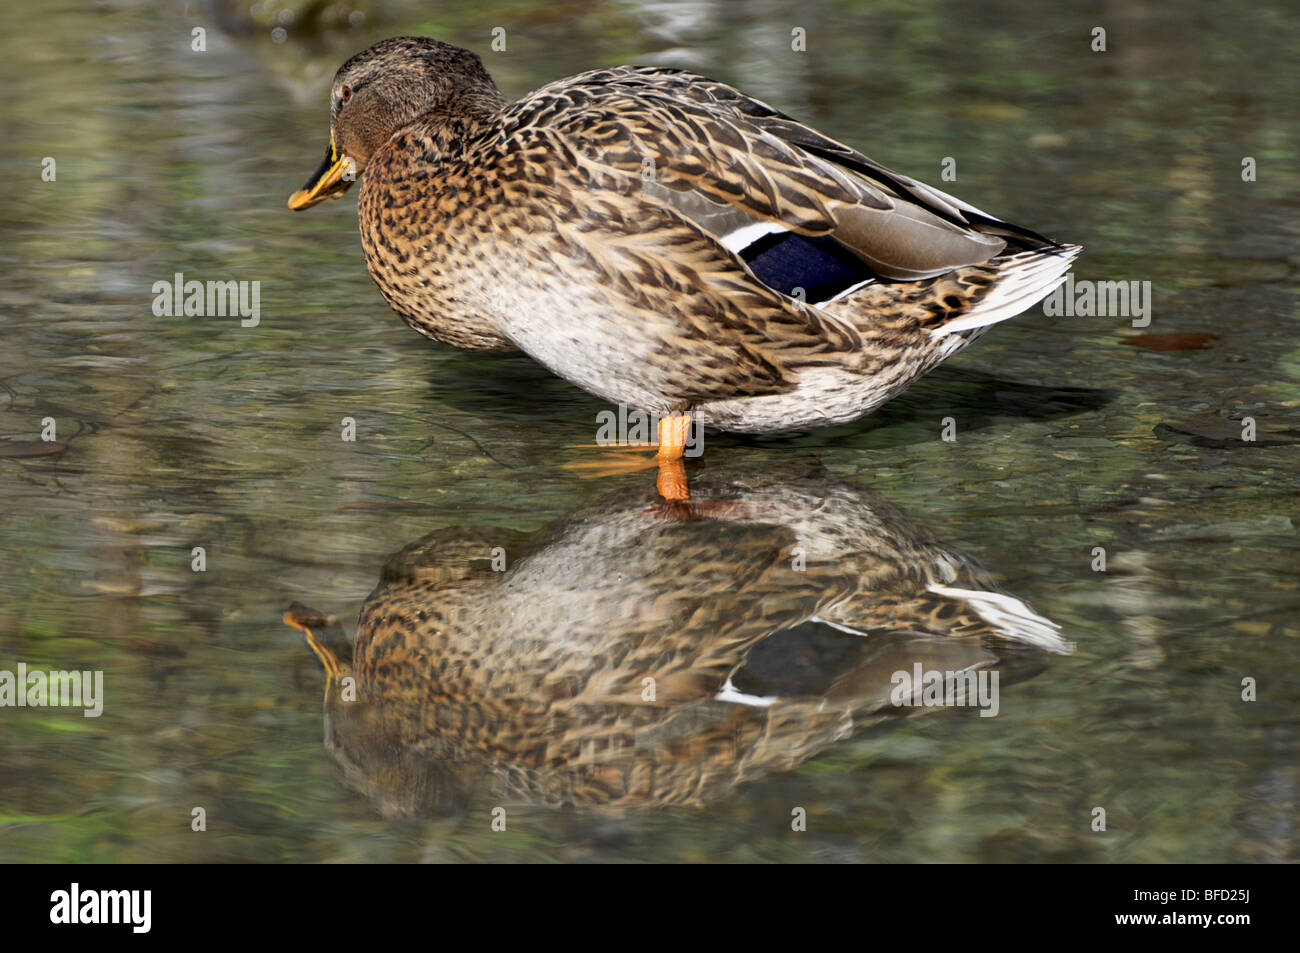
{"x":334,"y":177}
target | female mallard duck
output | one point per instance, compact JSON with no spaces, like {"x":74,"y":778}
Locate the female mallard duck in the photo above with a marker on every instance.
{"x":594,"y":670}
{"x":662,"y":240}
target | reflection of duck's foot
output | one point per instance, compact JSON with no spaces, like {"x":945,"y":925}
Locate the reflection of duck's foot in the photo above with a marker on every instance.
{"x":672,"y":479}
{"x":673,"y":432}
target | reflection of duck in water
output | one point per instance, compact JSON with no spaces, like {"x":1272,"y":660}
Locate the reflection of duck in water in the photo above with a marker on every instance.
{"x":650,"y":653}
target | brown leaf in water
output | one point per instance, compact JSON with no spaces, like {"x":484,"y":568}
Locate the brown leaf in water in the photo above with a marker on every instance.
{"x":1171,"y":342}
{"x":1225,"y":432}
{"x":31,"y":448}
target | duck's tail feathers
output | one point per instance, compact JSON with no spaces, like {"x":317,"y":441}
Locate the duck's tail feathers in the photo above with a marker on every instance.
{"x":1009,"y":617}
{"x":1019,"y":282}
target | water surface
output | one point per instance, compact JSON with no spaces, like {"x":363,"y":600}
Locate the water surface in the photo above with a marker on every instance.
{"x":175,"y":433}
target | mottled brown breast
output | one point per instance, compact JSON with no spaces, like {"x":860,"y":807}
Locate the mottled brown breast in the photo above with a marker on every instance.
{"x":418,"y":209}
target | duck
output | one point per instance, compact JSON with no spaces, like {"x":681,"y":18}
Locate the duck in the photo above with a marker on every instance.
{"x":663,"y":241}
{"x":640,"y":653}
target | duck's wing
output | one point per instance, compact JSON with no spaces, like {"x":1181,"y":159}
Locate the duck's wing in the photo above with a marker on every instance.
{"x":894,"y":185}
{"x":789,"y":201}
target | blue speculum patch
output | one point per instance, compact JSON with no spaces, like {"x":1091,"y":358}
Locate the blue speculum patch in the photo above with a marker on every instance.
{"x":821,"y":266}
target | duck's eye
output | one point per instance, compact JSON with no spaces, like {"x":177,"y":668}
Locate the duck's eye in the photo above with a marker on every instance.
{"x":345,"y":94}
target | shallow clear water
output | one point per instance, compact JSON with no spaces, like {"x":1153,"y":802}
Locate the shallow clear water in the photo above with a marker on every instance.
{"x":175,"y":433}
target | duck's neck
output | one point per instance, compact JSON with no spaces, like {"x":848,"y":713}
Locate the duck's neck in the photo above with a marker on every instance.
{"x":463,"y":116}
{"x":415,"y":201}
{"x":481,"y":102}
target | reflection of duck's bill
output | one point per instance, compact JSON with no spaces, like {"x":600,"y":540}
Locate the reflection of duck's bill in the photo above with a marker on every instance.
{"x":319,"y":630}
{"x":1011,"y":618}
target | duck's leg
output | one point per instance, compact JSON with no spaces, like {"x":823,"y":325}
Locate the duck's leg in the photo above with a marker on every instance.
{"x":673,"y":433}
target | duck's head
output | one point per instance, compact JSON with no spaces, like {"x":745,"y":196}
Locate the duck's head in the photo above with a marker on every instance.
{"x":383,"y":90}
{"x":367,"y":734}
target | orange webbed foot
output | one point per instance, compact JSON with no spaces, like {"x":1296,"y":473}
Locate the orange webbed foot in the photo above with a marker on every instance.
{"x":674,"y":432}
